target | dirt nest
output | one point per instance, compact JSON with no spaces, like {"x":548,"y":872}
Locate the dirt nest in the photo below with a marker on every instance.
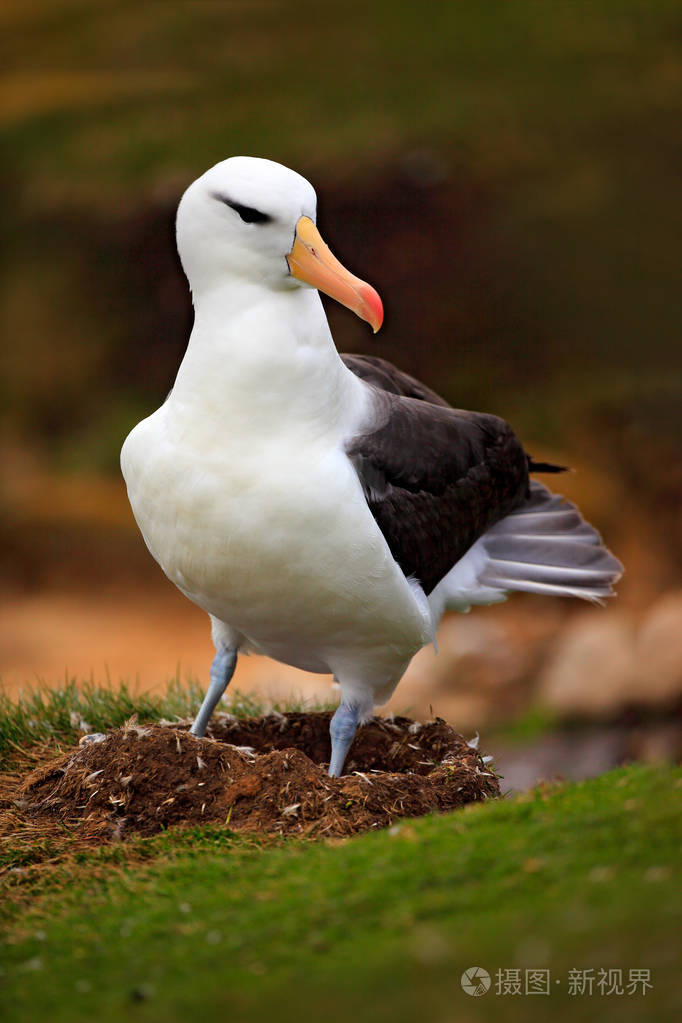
{"x":265,"y":775}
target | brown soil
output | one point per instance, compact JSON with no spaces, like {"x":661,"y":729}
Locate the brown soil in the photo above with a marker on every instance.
{"x":265,"y":775}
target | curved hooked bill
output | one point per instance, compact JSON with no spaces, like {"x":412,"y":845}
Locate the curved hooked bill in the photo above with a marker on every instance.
{"x":311,"y":261}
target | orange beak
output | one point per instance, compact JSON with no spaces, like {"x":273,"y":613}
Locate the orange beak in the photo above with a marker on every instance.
{"x":311,"y":261}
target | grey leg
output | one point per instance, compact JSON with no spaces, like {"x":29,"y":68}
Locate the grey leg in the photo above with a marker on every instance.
{"x":342,"y":728}
{"x":221,"y":672}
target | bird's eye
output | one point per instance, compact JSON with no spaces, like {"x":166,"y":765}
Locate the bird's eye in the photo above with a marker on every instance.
{"x":249,"y":214}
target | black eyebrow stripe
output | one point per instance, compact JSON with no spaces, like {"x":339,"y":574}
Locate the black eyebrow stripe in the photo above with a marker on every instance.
{"x":249,"y":214}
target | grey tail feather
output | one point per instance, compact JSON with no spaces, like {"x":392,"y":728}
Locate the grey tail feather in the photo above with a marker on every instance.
{"x":546,"y":546}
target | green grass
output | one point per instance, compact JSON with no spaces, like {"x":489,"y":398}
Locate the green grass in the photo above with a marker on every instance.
{"x":379,"y":927}
{"x":61,"y":714}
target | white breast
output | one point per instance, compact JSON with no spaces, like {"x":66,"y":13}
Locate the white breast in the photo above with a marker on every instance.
{"x":273,"y":537}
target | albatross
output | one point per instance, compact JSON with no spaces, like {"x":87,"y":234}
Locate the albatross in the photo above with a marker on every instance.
{"x":326,"y":509}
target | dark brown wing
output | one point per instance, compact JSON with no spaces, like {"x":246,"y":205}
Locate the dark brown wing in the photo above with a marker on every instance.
{"x":384,"y":375}
{"x":435,"y":478}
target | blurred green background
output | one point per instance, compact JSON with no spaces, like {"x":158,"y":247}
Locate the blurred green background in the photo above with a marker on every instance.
{"x":506,"y":174}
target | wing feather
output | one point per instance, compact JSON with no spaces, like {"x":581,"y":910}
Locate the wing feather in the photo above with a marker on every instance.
{"x":436,"y":478}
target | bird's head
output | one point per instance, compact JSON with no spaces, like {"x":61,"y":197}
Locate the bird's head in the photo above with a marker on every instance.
{"x":255,"y":219}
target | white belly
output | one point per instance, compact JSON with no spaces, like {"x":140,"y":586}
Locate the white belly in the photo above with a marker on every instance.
{"x":275,"y":540}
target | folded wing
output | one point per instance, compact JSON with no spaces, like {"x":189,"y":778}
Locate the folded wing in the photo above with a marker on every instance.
{"x":450,"y":491}
{"x":436,"y":479}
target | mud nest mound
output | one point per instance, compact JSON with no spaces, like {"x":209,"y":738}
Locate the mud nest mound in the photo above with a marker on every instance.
{"x":265,"y":774}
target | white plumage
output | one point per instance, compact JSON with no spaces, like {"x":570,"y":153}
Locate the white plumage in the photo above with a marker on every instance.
{"x":240,"y":482}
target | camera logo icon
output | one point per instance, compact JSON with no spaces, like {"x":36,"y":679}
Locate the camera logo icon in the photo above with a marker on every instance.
{"x":475,"y":981}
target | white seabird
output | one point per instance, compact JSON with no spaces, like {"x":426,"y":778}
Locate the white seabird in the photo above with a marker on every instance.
{"x":326,"y":510}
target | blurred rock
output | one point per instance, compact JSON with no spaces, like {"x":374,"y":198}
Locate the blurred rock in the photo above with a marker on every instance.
{"x":466,"y":712}
{"x":472,"y":679}
{"x":658,"y":652}
{"x":558,"y":756}
{"x":474,"y":654}
{"x":592,"y":669}
{"x":658,"y":744}
{"x":585,"y":753}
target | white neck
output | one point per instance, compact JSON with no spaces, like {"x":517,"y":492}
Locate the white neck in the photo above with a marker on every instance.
{"x":259,"y":358}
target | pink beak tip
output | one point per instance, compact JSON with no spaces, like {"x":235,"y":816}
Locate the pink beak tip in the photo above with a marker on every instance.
{"x":375,"y":309}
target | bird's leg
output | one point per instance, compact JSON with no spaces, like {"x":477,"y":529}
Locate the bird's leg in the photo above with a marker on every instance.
{"x":222,"y":670}
{"x":342,"y":729}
